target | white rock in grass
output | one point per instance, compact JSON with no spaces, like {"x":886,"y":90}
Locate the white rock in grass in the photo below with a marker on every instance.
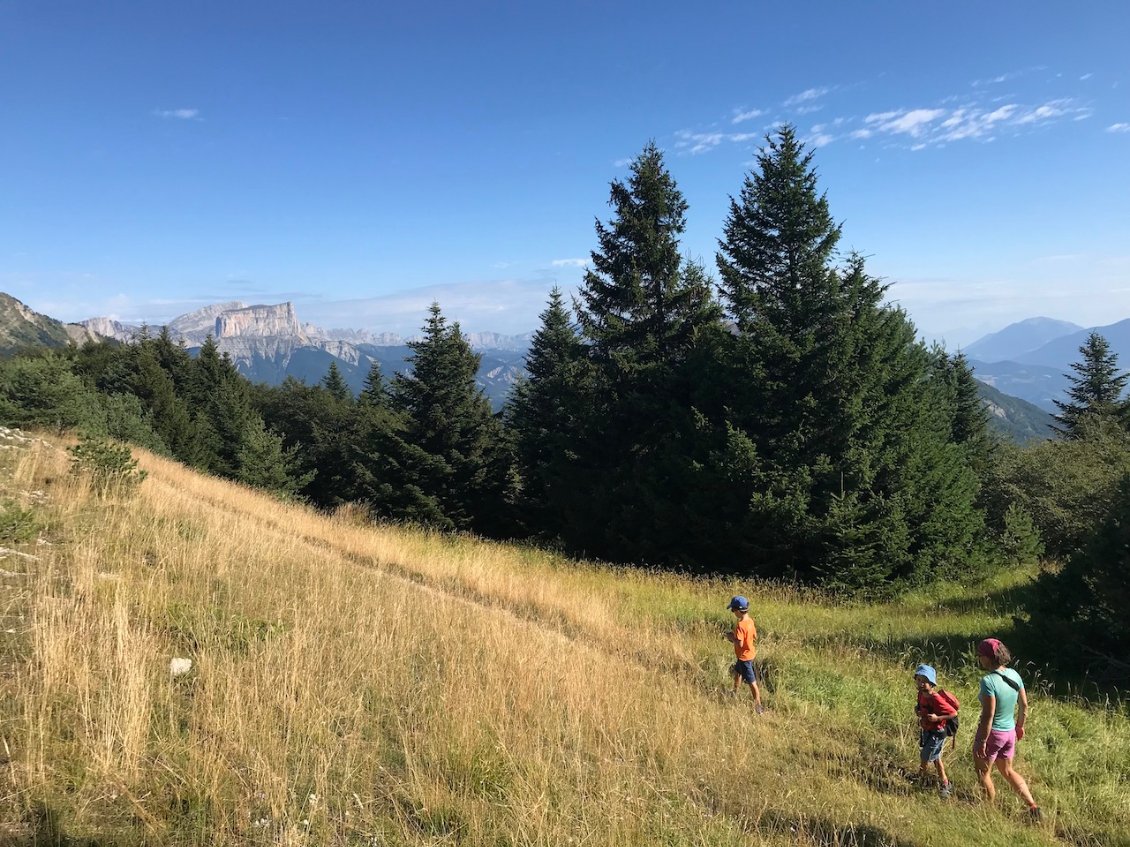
{"x":179,"y":667}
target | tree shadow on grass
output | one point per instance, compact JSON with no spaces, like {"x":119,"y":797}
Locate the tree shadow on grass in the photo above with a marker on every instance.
{"x":827,"y":833}
{"x":42,"y":829}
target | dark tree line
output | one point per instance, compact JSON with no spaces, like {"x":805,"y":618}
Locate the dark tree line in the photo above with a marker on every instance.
{"x":781,"y":420}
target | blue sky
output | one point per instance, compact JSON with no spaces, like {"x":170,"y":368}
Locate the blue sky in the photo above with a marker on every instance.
{"x":362,"y":159}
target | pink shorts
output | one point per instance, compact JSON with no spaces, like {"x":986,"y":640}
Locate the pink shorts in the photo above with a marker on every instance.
{"x":1001,"y":745}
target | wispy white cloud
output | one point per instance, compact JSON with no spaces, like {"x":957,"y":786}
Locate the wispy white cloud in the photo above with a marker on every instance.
{"x":702,"y":142}
{"x":913,"y":122}
{"x":569,"y":263}
{"x":1052,"y":109}
{"x":1005,"y":77}
{"x":741,"y":115}
{"x":935,"y":126}
{"x":1085,"y":77}
{"x":178,"y":114}
{"x":622,"y":163}
{"x":819,"y":136}
{"x":1119,"y":127}
{"x":985,"y":116}
{"x":807,"y":95}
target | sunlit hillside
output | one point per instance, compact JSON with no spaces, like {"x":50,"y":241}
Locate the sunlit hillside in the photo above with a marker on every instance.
{"x":360,"y":685}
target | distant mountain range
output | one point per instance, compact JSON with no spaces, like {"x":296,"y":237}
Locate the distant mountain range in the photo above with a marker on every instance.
{"x":269,"y":344}
{"x":1032,"y":359}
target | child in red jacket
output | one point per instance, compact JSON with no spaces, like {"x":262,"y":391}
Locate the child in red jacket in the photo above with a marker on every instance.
{"x":933,"y":710}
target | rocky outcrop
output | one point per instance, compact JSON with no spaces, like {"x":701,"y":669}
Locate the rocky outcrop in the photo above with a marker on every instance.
{"x":497,"y":341}
{"x":196,"y":326}
{"x":261,"y":322}
{"x":80,"y":334}
{"x":110,"y":328}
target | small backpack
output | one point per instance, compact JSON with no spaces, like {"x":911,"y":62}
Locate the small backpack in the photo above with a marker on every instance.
{"x":954,"y":722}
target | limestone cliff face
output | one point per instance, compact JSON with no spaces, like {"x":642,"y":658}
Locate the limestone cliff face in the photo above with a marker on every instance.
{"x":262,"y":322}
{"x":196,"y":326}
{"x":110,"y":328}
{"x":80,"y":334}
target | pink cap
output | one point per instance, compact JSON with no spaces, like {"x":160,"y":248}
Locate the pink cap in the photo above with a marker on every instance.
{"x":989,"y":648}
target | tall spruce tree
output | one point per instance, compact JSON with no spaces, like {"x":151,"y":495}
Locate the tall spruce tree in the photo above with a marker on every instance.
{"x":1096,"y":390}
{"x":336,"y":385}
{"x":644,"y":312}
{"x":385,"y":469}
{"x":543,"y":415}
{"x":851,"y":475}
{"x":449,"y":419}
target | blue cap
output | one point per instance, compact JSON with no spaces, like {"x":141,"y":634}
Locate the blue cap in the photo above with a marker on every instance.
{"x":739,"y":603}
{"x":928,"y":672}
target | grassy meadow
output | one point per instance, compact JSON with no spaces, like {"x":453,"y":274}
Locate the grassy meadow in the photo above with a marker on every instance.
{"x":361,"y":685}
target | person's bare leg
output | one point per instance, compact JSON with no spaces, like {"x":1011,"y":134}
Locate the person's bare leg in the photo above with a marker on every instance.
{"x":1016,"y":781}
{"x":985,"y":775}
{"x":755,"y":692}
{"x":941,"y":772}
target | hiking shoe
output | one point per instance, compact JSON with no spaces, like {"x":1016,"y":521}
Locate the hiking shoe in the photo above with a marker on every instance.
{"x":1034,"y":814}
{"x":946,"y":790}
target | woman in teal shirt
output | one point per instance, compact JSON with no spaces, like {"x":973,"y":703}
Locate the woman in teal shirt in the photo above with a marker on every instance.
{"x":1002,"y":690}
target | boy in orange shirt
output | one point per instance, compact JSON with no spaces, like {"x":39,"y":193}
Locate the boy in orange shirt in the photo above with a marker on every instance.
{"x":744,"y":639}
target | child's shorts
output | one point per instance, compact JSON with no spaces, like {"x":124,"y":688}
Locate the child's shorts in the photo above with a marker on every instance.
{"x":745,"y":671}
{"x":932,"y":741}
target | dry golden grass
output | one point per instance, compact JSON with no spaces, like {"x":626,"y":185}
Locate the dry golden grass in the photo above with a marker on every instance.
{"x":376,"y":685}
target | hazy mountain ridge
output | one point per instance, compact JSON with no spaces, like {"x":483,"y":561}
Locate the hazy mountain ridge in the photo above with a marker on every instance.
{"x":1019,"y":338}
{"x":1040,"y":374}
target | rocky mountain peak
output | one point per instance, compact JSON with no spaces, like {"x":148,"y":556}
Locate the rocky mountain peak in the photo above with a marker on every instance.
{"x":261,"y":322}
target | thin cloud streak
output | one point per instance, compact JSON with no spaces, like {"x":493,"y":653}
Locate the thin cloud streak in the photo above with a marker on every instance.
{"x":807,"y":95}
{"x":695,"y":143}
{"x":178,"y":114}
{"x":742,"y":116}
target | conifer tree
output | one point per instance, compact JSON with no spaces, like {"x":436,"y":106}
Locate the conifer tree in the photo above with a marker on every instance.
{"x":154,"y":386}
{"x":638,"y":304}
{"x":263,"y":462}
{"x":449,"y":419}
{"x":544,"y":416}
{"x":336,"y":385}
{"x":852,"y":476}
{"x":778,"y":240}
{"x":644,"y":313}
{"x":374,"y":391}
{"x":1096,"y":387}
{"x":385,"y":469}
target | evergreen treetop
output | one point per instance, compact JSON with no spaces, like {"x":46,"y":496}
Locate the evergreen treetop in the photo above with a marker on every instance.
{"x":1096,"y":388}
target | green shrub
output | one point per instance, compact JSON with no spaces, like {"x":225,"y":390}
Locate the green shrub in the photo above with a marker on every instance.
{"x":17,"y":525}
{"x":1020,"y":540}
{"x":110,"y":465}
{"x":1066,"y":487}
{"x":1089,"y":600}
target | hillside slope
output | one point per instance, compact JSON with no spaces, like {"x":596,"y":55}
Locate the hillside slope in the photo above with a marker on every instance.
{"x":20,"y":327}
{"x":357,"y":685}
{"x":1015,"y":419}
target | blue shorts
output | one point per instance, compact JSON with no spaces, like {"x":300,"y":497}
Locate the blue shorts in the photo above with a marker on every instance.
{"x":932,"y":741}
{"x":745,"y":671}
